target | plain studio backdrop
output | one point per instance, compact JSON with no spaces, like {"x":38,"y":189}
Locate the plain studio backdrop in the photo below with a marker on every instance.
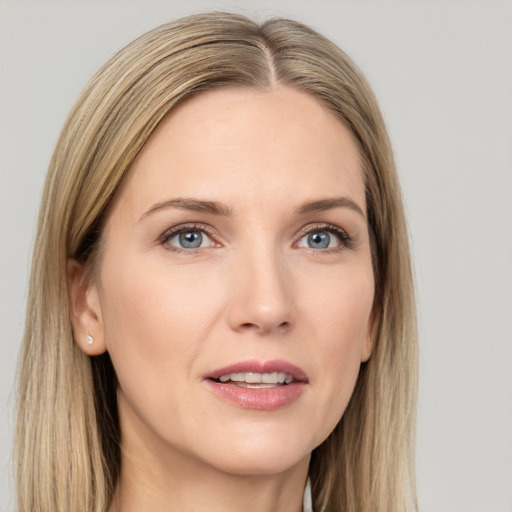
{"x":442,"y":71}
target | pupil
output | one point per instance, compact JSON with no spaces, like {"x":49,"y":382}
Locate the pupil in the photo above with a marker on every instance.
{"x":319,"y":240}
{"x":191,"y":240}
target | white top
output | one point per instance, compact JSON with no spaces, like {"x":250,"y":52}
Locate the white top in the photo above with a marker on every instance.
{"x":307,"y":504}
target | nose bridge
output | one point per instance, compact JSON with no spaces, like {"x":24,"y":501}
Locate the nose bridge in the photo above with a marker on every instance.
{"x":263,"y":288}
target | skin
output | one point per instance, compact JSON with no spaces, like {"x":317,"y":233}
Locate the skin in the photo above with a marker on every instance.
{"x":254,"y":290}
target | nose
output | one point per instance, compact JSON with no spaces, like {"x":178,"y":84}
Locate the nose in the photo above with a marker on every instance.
{"x":262,"y":299}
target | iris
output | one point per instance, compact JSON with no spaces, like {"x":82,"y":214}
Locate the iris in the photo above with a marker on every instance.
{"x":319,"y":240}
{"x":191,"y":239}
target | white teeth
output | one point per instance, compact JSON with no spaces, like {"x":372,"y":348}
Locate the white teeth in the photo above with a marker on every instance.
{"x":252,"y":378}
{"x":257,"y":378}
{"x":270,"y":378}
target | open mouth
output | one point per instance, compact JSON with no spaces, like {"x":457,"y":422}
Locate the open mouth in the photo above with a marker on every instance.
{"x":252,"y":390}
{"x":256,"y":380}
{"x":263,"y":385}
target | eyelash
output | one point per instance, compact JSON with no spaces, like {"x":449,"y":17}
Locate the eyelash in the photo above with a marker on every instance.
{"x":345,"y":240}
{"x":185,"y":228}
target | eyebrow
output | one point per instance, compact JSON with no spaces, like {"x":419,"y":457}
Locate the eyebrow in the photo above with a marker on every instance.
{"x":194,"y":205}
{"x":216,"y":208}
{"x":322,"y":205}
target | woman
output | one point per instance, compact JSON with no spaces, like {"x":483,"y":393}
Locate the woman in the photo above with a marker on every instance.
{"x":221,"y":302}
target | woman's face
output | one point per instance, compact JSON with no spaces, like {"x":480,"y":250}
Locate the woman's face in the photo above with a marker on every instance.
{"x":235,"y":256}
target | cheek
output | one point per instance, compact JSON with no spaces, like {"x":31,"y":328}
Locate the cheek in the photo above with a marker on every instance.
{"x":342,"y":314}
{"x":155,"y":322}
{"x":340,"y":306}
{"x":153,"y":300}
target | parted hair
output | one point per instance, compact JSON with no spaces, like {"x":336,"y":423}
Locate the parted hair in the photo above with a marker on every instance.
{"x":68,"y":435}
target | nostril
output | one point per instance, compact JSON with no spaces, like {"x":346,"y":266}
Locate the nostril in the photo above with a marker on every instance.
{"x":264,"y":328}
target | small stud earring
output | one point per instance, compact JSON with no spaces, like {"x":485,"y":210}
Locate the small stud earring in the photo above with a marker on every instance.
{"x":89,"y":339}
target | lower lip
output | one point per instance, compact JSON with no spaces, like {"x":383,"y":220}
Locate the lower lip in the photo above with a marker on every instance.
{"x":267,"y":399}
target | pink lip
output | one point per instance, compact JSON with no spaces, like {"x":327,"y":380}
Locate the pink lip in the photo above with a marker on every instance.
{"x":254,"y":398}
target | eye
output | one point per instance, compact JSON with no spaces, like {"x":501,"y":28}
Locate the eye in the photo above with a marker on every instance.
{"x":326,"y":237}
{"x":319,"y":240}
{"x":187,"y":238}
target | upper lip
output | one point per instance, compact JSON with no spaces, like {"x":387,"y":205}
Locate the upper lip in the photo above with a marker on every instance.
{"x":255,"y":366}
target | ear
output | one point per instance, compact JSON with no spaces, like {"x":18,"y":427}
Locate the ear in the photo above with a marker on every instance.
{"x":371,"y":336}
{"x":85,"y":310}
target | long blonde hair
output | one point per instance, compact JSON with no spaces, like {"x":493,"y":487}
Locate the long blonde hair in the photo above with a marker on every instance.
{"x":68,"y":455}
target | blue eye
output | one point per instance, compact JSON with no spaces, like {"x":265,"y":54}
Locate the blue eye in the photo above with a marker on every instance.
{"x":189,"y":239}
{"x":321,"y":239}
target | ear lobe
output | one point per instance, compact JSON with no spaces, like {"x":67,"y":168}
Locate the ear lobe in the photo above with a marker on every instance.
{"x":367,"y":349}
{"x":85,"y":310}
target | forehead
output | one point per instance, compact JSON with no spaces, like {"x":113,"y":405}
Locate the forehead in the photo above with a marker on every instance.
{"x":246,"y":147}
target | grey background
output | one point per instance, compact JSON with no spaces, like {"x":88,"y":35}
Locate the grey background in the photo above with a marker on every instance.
{"x":442,"y":71}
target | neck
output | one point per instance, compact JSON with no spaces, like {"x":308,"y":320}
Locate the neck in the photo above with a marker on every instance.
{"x":194,"y":486}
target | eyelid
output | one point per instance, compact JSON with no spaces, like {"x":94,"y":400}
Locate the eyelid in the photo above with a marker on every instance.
{"x":346,"y":241}
{"x":183,"y":228}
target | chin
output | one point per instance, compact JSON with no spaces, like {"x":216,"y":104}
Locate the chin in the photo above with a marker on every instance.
{"x":264,"y":454}
{"x":261,"y":465}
